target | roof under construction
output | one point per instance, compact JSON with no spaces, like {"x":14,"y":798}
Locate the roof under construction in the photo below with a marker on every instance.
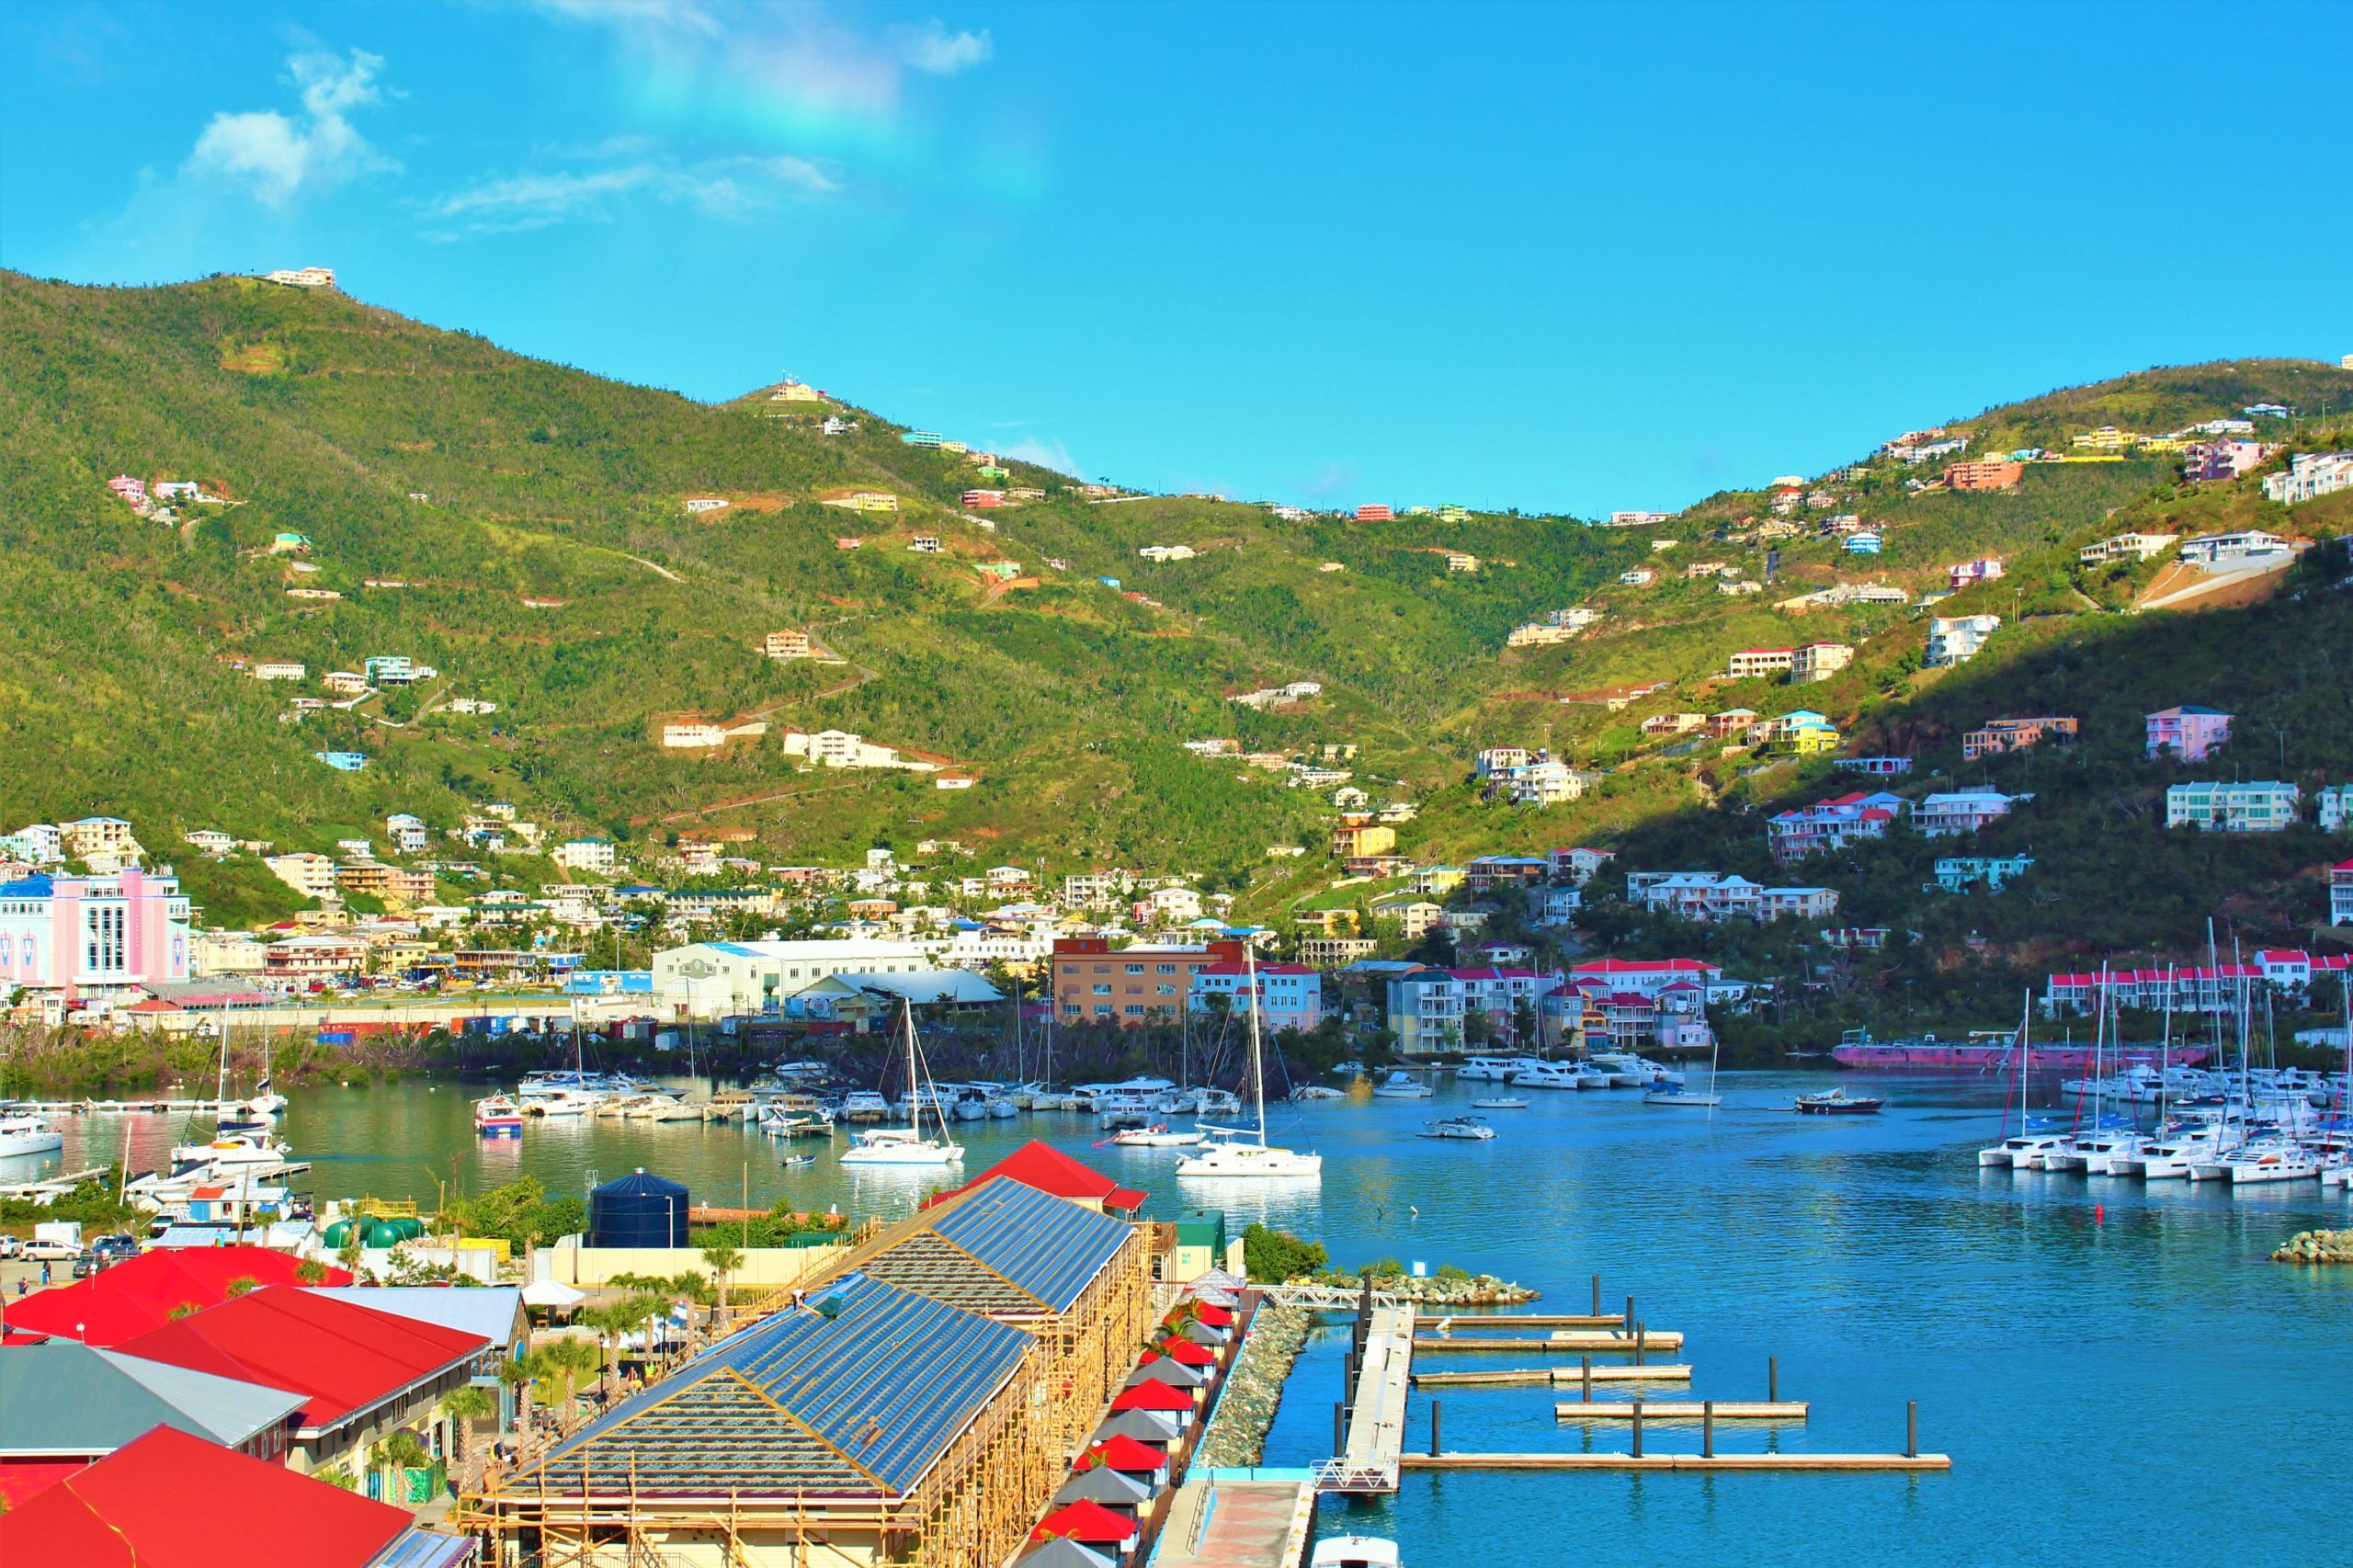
{"x":854,"y":1394}
{"x":1002,"y":1247}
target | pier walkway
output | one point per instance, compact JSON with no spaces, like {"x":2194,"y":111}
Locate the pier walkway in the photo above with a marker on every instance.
{"x":1227,"y":1521}
{"x":1375,"y":1433}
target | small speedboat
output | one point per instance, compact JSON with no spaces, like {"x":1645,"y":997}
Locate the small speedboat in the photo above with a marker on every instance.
{"x":1356,"y":1552}
{"x":1838,"y":1102}
{"x":1156,"y":1137}
{"x":1316,"y":1092}
{"x":1677,"y":1094}
{"x":1401,"y":1086}
{"x":797,"y":1162}
{"x":1463,"y":1126}
{"x":1500,"y":1102}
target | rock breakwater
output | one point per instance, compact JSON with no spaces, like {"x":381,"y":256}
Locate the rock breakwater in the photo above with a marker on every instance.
{"x":2317,"y":1246}
{"x":1245,"y":1410}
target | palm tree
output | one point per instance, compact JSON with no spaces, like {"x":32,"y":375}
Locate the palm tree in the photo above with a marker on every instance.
{"x":723,"y":1260}
{"x":615,"y":1319}
{"x":468,"y":1405}
{"x":402,"y":1450}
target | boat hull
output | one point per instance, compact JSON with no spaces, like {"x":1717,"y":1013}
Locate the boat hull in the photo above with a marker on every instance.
{"x":1940,"y":1057}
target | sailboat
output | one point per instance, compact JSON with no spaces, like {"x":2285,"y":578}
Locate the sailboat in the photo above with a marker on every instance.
{"x":907,"y":1145}
{"x":1231,"y":1152}
{"x":1672,"y":1091}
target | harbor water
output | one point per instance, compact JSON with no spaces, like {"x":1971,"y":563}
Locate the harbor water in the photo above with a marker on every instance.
{"x":2118,"y":1373}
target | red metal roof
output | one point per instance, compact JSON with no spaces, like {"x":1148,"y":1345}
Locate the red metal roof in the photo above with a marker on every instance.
{"x":139,"y":1294}
{"x":1153,"y":1396}
{"x":1050,"y":1170}
{"x":172,"y":1500}
{"x":342,"y":1358}
{"x":1123,"y":1453}
{"x":1085,"y":1521}
{"x":1212,"y":1313}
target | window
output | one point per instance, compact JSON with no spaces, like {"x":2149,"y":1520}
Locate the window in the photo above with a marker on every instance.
{"x":1134,"y":1011}
{"x":1135,"y":969}
{"x":1167,"y":989}
{"x":1168,"y":968}
{"x":1103,"y":1009}
{"x":1102,"y":991}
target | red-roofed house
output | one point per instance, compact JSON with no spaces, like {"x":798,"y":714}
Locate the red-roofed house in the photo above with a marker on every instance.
{"x":1160,"y":1399}
{"x":1050,"y":1170}
{"x":363,"y":1374}
{"x":2341,"y":893}
{"x":1091,"y":1524}
{"x":171,"y":1500}
{"x":1831,"y":824}
{"x":1126,"y":1455}
{"x":141,"y":1293}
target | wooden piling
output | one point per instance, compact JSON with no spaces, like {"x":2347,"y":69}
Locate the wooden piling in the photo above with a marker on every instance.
{"x":1638,"y":1428}
{"x":1773,"y":1380}
{"x":1912,"y":1428}
{"x":1708,"y":1429}
{"x":1435,"y":1406}
{"x":1618,"y":1372}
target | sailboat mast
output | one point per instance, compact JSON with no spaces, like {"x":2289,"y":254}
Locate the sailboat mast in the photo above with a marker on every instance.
{"x":1258,"y":1068}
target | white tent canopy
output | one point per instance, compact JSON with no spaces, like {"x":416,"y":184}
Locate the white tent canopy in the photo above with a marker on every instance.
{"x":552,"y":1293}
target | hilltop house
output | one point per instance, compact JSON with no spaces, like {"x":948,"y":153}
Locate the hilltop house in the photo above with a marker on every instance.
{"x":786,"y":645}
{"x":2336,"y":802}
{"x":1956,"y":640}
{"x":1968,"y":574}
{"x":859,"y":500}
{"x":2209,"y":461}
{"x":2001,"y":736}
{"x":1637,"y":577}
{"x":698,"y":504}
{"x":1877,"y":766}
{"x":1289,"y":996}
{"x":2265,"y":807}
{"x":1961,"y":811}
{"x":1985,"y":475}
{"x":1961,"y":874}
{"x":2311,"y":475}
{"x":1374,"y":512}
{"x":1800,"y":733}
{"x":2230,"y":552}
{"x":280,"y":669}
{"x":2341,"y":893}
{"x":1832,"y":824}
{"x":2126,"y":547}
{"x":2190,"y":733}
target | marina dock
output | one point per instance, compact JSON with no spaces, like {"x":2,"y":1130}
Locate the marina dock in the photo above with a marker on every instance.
{"x":1615,"y":1372}
{"x":1681,"y":1462}
{"x":1226,"y":1521}
{"x":1681,"y":1410}
{"x":1374,"y":1431}
{"x":1566,"y":1341}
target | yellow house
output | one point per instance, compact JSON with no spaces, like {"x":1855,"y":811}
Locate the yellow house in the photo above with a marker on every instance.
{"x":860,"y":500}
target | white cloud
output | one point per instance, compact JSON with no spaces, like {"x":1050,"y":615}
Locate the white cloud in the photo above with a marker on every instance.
{"x":932,"y":48}
{"x":277,"y":156}
{"x":729,"y":188}
{"x":1050,"y":454}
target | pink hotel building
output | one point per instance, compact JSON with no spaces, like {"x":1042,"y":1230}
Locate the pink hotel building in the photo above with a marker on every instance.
{"x":93,"y":937}
{"x":2188,"y":732}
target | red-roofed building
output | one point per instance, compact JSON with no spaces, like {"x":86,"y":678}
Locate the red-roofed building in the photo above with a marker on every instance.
{"x":1050,"y":1170}
{"x":141,"y":1293}
{"x":363,"y":1374}
{"x":171,"y":1500}
{"x":1128,"y":1456}
{"x":1831,"y":824}
{"x":1090,"y":1523}
{"x":1184,"y":1352}
{"x":1162,"y":1399}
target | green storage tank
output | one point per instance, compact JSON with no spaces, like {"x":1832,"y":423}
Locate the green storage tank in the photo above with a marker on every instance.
{"x":340,"y":1235}
{"x":384,"y":1234}
{"x":409,"y":1227}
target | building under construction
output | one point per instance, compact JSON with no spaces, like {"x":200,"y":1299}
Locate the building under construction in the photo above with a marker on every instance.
{"x":918,"y":1407}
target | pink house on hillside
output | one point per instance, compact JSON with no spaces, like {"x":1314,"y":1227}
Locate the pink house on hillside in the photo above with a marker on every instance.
{"x":2188,"y":732}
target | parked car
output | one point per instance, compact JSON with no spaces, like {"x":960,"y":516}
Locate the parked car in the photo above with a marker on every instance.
{"x":116,"y":1247}
{"x":12,"y":1246}
{"x":51,"y":1251}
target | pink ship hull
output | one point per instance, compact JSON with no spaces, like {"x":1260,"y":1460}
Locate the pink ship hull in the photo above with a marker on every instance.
{"x":1940,"y":1057}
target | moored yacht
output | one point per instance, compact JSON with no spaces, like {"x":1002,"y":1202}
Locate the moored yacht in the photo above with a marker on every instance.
{"x":907,"y":1145}
{"x":1227,"y":1152}
{"x":28,"y":1135}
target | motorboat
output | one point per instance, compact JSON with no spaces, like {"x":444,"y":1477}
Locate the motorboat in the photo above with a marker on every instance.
{"x":1160,"y":1136}
{"x":2102,"y":1151}
{"x":263,"y":1101}
{"x":1465,"y":1127}
{"x":2283,"y":1162}
{"x":1401,"y":1086}
{"x":28,"y":1135}
{"x":2019,"y":1154}
{"x":970,"y":1105}
{"x":1628,"y":1070}
{"x":1499,"y":1102}
{"x":1493,"y":1069}
{"x":1356,"y":1552}
{"x":1227,"y":1152}
{"x":1838,"y":1102}
{"x":1316,"y":1092}
{"x":561,"y":1102}
{"x":498,"y":1116}
{"x":1551,"y":1075}
{"x":1674,"y":1093}
{"x":797,"y":1162}
{"x":235,"y":1149}
{"x":907,"y":1145}
{"x":864,"y":1105}
{"x":2169,"y":1156}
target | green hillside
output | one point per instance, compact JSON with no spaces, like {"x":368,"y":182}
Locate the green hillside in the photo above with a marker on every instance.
{"x":523,"y":528}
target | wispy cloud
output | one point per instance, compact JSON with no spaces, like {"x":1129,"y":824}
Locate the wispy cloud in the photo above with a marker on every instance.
{"x":277,"y":157}
{"x":1046,"y":453}
{"x":729,"y":188}
{"x":931,"y":48}
{"x":1329,"y":480}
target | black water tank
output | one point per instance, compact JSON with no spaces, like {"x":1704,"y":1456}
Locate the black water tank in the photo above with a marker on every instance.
{"x":638,"y":1210}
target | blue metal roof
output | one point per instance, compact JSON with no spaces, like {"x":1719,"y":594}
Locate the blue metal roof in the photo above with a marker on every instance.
{"x":736,"y":950}
{"x":859,"y":1393}
{"x":1047,"y":1247}
{"x":35,"y":886}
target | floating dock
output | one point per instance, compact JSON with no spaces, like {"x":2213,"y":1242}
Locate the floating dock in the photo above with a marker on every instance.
{"x":1224,"y":1522}
{"x":1680,"y":1462}
{"x":1681,"y":1410}
{"x":1616,"y":1372}
{"x":1375,"y":1431}
{"x":1566,"y":1342}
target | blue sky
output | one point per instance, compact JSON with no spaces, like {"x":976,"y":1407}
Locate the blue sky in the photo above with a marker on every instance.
{"x":1564,"y":258}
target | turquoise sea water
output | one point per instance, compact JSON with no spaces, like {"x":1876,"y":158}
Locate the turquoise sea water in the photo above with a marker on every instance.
{"x":2118,"y":1373}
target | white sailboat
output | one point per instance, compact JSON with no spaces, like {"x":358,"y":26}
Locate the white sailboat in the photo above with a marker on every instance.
{"x":1229,"y":1152}
{"x":907,"y":1145}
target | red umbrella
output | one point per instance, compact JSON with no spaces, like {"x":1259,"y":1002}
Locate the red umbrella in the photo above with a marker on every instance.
{"x":1154,"y":1396}
{"x":1090,"y":1522}
{"x":1123,"y":1454}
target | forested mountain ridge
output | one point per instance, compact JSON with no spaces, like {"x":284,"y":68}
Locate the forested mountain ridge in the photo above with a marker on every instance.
{"x":534,"y":518}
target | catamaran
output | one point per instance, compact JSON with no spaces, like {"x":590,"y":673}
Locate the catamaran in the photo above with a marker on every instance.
{"x":1228,"y":1153}
{"x":907,"y":1145}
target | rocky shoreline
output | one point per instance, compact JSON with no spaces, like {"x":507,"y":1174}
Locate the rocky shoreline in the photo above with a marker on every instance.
{"x":2317,"y":1246}
{"x":1473,"y":1291}
{"x":1245,"y":1410}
